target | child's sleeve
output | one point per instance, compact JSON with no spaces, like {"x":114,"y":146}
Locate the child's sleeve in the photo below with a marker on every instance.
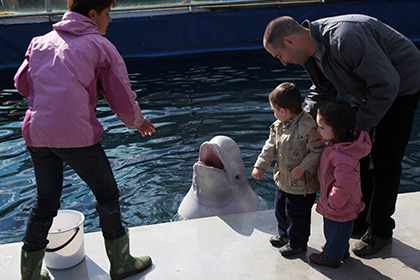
{"x":315,"y":146}
{"x":268,"y":152}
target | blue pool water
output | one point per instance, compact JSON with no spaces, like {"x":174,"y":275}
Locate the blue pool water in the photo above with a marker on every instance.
{"x":190,"y":99}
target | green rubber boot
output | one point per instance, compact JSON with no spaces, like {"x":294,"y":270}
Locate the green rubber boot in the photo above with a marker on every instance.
{"x":122,"y":263}
{"x":30,"y":265}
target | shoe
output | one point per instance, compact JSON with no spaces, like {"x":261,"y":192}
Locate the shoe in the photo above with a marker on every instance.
{"x":278,"y":241}
{"x":370,"y":244}
{"x":346,"y":254}
{"x":122,"y":263}
{"x":322,"y":259}
{"x":288,"y":251}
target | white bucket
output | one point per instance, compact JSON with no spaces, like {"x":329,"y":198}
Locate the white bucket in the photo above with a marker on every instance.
{"x":66,"y":243}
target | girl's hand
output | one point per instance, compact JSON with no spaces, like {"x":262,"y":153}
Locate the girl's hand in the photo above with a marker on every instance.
{"x":147,"y":128}
{"x":257,"y":173}
{"x":298,"y":171}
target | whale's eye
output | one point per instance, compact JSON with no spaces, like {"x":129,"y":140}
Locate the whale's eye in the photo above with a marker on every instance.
{"x":237,"y":177}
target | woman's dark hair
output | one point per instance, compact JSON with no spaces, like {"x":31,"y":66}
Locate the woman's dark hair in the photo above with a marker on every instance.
{"x":286,"y":95}
{"x":84,"y":6}
{"x":341,"y":117}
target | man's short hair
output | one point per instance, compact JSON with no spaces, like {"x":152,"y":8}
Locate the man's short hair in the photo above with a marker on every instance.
{"x":279,"y":28}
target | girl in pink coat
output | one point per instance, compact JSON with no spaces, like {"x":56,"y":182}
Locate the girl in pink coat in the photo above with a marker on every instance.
{"x":339,"y":177}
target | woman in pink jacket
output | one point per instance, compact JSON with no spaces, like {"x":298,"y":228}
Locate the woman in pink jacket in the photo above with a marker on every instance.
{"x":63,"y":74}
{"x":339,"y":178}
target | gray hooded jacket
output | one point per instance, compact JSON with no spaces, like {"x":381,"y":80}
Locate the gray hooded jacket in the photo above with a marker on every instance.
{"x":361,"y":57}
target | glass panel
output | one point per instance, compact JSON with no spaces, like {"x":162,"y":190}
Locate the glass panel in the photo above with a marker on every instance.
{"x":22,"y":6}
{"x":40,"y":6}
{"x":142,"y":3}
{"x":59,"y":5}
{"x":217,"y":1}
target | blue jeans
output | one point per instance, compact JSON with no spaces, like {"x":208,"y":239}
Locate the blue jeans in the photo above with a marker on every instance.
{"x":337,"y":235}
{"x":92,"y":166}
{"x":293,"y":213}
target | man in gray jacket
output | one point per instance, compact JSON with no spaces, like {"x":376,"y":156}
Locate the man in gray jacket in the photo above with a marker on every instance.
{"x":379,"y":69}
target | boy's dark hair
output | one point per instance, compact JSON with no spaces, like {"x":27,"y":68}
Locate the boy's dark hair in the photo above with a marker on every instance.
{"x":341,"y":117}
{"x":287,"y":95}
{"x":84,"y":6}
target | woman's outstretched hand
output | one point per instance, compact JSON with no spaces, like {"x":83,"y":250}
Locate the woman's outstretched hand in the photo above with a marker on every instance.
{"x":147,"y":128}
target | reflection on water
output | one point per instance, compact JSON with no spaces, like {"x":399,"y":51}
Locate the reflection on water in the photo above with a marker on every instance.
{"x":189,"y":99}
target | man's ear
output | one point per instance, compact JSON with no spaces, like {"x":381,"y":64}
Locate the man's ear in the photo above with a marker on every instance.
{"x":289,"y":41}
{"x":92,"y":14}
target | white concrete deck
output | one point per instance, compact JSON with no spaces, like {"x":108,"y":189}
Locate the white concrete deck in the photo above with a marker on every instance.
{"x":236,"y":247}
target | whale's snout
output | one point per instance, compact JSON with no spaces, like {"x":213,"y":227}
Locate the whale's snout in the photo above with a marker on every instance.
{"x":210,"y":157}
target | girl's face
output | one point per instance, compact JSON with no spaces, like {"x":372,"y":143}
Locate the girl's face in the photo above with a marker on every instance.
{"x":102,"y":20}
{"x":324,"y":129}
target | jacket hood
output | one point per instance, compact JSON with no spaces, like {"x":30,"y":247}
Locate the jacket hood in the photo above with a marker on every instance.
{"x":76,"y":24}
{"x":359,"y":148}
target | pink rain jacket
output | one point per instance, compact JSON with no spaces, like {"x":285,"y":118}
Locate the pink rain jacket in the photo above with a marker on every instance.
{"x":339,"y":178}
{"x":63,"y":74}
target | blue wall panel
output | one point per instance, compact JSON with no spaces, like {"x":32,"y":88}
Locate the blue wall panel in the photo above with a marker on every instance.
{"x":212,"y":30}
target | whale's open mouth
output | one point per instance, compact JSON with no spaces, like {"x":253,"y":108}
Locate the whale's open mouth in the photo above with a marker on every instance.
{"x":210,"y":157}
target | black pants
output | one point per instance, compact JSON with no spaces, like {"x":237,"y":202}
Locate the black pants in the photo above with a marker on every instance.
{"x":293,"y":213}
{"x":381,"y":169}
{"x":92,"y":166}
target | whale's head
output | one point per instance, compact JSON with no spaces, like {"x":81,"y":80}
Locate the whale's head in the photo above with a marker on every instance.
{"x":220,"y":170}
{"x":219,"y":184}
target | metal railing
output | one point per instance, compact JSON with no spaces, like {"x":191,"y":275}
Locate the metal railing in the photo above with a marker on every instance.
{"x":187,"y":6}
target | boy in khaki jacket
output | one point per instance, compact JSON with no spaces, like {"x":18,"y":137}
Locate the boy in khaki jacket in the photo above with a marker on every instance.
{"x":295,"y":142}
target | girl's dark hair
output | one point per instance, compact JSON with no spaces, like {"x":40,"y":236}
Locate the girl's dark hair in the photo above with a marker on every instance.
{"x":341,"y":117}
{"x":84,"y":6}
{"x":286,"y":95}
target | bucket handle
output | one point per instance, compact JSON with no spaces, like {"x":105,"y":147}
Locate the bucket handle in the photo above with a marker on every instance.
{"x":65,"y":244}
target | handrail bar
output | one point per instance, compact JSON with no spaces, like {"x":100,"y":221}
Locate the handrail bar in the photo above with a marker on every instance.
{"x":170,"y":6}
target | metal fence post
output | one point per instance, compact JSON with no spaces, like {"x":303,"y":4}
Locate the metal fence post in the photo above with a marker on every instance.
{"x":48,"y":5}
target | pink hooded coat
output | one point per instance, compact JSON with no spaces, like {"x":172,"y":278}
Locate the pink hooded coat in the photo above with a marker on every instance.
{"x":63,"y":74}
{"x":339,"y":178}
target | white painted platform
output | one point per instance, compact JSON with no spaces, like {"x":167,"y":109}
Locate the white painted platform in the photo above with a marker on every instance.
{"x":236,"y":247}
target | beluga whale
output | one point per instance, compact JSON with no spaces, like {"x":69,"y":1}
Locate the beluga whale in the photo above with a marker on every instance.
{"x":219,"y":183}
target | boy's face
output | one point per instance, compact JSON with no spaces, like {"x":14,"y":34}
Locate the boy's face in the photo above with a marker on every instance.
{"x":324,"y":129}
{"x":279,"y":113}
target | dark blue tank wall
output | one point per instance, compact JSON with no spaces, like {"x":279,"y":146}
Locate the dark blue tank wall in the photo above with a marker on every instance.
{"x":212,"y":31}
